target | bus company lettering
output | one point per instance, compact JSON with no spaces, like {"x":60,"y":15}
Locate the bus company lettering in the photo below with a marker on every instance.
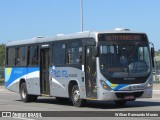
{"x":62,"y":73}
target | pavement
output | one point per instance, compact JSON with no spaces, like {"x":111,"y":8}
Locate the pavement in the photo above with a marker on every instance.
{"x":156,"y":86}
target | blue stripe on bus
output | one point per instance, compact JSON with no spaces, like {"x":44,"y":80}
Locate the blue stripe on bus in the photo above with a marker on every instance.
{"x":11,"y":74}
{"x":119,"y":86}
{"x":116,"y":87}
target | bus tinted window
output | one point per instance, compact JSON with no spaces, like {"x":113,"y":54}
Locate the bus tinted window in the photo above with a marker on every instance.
{"x":33,"y":55}
{"x":58,"y":51}
{"x":18,"y":56}
{"x":74,"y":53}
{"x":11,"y":56}
{"x":143,"y":54}
{"x":23,"y":55}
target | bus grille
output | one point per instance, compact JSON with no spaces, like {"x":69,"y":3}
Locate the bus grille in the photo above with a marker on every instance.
{"x":135,"y":94}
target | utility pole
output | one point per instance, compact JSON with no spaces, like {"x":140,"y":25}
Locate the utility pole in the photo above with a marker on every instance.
{"x":81,"y":12}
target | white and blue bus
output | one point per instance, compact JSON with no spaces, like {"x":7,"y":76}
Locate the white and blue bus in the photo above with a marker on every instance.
{"x":112,"y":65}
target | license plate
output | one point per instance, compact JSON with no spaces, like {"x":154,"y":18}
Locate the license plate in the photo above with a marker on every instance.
{"x":129,"y":97}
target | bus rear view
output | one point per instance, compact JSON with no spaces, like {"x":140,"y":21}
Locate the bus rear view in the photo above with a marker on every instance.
{"x":125,"y":67}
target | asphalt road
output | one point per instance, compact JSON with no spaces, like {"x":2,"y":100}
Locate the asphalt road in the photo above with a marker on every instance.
{"x":10,"y":101}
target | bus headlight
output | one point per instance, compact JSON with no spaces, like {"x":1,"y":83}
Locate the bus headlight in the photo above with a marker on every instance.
{"x":149,"y":85}
{"x":104,"y":85}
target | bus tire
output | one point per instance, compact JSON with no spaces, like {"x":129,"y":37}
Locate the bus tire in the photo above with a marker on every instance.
{"x":120,"y":102}
{"x":24,"y":94}
{"x":75,"y":96}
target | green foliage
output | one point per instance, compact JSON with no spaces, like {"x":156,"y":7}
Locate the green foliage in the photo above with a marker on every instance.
{"x":2,"y":54}
{"x":157,"y":53}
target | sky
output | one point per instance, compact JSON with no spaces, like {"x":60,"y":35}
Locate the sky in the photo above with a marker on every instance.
{"x":24,"y":19}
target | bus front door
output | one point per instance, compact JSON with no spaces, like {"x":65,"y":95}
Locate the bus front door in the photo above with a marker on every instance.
{"x":44,"y":71}
{"x":90,"y":73}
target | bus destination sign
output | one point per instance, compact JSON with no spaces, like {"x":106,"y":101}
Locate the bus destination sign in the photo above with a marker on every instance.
{"x":120,"y":37}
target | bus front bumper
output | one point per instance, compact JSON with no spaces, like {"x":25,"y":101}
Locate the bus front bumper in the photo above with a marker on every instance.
{"x":126,"y":95}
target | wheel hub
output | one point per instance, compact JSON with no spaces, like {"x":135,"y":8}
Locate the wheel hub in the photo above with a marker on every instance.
{"x":23,"y":94}
{"x":76,"y":95}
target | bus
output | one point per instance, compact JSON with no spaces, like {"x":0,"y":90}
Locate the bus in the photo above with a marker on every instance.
{"x":114,"y":65}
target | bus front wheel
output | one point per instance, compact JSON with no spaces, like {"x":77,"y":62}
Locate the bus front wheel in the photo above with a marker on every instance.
{"x":75,"y":96}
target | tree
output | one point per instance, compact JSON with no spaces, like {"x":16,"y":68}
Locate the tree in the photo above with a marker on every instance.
{"x":2,"y":54}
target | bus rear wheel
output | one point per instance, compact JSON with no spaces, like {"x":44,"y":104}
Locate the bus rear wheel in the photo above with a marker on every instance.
{"x":75,"y":96}
{"x":24,"y":94}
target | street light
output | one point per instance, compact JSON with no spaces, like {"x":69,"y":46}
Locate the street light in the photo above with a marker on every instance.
{"x":81,"y":12}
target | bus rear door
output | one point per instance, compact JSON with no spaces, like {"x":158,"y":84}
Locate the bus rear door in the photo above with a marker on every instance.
{"x":44,"y":71}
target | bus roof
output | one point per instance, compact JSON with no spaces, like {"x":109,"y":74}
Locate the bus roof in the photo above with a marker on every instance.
{"x":78,"y":35}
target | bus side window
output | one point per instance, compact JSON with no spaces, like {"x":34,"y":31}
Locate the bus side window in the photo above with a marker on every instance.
{"x":33,"y":55}
{"x":80,"y":55}
{"x":59,"y":54}
{"x":18,"y":54}
{"x":10,"y":56}
{"x":74,"y":55}
{"x":23,"y":56}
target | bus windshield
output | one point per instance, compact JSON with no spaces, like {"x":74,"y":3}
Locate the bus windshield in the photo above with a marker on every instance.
{"x":121,"y":61}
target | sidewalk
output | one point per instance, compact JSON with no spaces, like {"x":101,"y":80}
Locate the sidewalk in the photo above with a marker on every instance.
{"x":156,"y":87}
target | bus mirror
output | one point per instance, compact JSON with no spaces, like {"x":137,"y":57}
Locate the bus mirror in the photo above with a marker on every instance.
{"x":152,"y":55}
{"x":152,"y":52}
